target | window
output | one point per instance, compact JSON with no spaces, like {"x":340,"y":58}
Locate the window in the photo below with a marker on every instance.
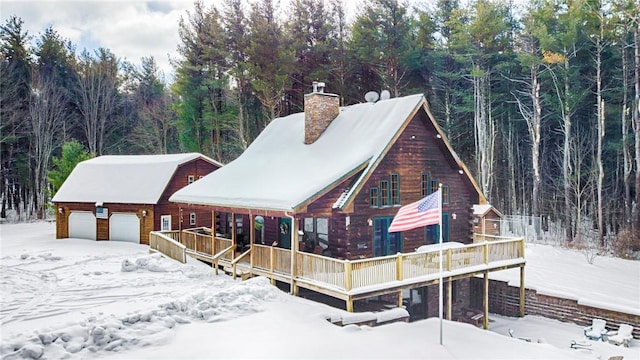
{"x":384,"y":193}
{"x":425,"y":185}
{"x":165,"y":223}
{"x":374,"y":200}
{"x":445,"y":194}
{"x":192,"y":218}
{"x":432,"y":232}
{"x":191,"y":179}
{"x":316,"y":232}
{"x":395,"y":189}
{"x":434,"y":185}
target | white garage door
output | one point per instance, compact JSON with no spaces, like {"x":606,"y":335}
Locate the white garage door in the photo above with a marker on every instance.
{"x":82,"y":225}
{"x":124,"y":227}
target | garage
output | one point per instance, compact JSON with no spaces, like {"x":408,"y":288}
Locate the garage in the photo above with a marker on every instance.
{"x":82,"y":225}
{"x":124,"y":227}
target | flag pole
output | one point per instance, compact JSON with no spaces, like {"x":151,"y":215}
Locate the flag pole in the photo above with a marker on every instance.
{"x":440,"y":300}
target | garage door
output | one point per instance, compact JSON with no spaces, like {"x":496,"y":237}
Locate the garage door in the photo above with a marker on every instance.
{"x":124,"y":227}
{"x":82,"y":225}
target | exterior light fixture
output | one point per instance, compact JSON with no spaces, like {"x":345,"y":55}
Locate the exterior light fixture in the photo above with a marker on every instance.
{"x":60,"y":210}
{"x":460,"y":172}
{"x":144,"y":213}
{"x":439,"y":136}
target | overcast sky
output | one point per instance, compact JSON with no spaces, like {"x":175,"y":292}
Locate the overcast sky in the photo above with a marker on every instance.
{"x":130,"y":29}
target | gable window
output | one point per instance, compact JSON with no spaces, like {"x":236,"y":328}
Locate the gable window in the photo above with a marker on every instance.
{"x":425,"y":185}
{"x":192,"y":218}
{"x":445,"y":194}
{"x":395,"y":189}
{"x":384,"y":193}
{"x":374,"y":200}
{"x":435,"y":184}
{"x":191,"y":179}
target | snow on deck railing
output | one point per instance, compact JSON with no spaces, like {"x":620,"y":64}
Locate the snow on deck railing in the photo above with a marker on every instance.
{"x":165,"y":243}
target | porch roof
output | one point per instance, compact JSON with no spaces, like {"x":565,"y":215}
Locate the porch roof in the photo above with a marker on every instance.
{"x":279,"y":172}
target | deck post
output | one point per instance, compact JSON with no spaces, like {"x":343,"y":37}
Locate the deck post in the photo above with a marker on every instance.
{"x":399,"y":274}
{"x":485,"y":301}
{"x":347,"y":273}
{"x":349,"y":302}
{"x":400,"y":298}
{"x":449,"y":261}
{"x":272,"y":255}
{"x":486,"y":252}
{"x":449,"y":291}
{"x":522,"y":291}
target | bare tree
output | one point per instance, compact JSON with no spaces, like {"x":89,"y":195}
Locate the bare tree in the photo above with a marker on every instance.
{"x":47,"y":115}
{"x":98,"y":96}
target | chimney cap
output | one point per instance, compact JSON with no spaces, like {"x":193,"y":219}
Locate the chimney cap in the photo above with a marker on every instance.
{"x":318,"y":87}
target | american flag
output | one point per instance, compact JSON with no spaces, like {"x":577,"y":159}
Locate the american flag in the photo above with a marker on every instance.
{"x":418,"y":214}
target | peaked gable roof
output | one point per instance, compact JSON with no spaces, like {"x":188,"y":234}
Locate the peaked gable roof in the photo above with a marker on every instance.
{"x":279,"y":172}
{"x":131,"y":179}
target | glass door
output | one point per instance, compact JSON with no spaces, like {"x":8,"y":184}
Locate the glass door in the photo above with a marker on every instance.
{"x":385,"y":243}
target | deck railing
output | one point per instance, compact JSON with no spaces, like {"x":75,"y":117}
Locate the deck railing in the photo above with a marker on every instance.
{"x":165,"y":242}
{"x":347,"y":275}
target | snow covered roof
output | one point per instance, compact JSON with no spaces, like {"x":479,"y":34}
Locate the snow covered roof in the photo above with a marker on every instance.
{"x":279,"y":172}
{"x":483,"y":209}
{"x":131,"y":179}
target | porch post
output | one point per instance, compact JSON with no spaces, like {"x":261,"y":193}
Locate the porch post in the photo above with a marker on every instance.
{"x":252,"y":234}
{"x":233,"y":235}
{"x":213,"y":233}
{"x":485,"y":302}
{"x":294,"y":248}
{"x":522,"y":291}
{"x":449,"y":300}
{"x":400,"y":298}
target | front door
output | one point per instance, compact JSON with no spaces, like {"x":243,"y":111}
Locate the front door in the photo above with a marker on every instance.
{"x":284,"y":239}
{"x":384,"y":242}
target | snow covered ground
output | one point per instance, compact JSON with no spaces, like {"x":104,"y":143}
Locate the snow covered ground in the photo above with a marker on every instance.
{"x":79,"y":299}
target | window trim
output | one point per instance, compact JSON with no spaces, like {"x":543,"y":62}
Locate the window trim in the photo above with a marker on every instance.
{"x":445,"y":194}
{"x":394,"y":198}
{"x":384,"y":198}
{"x":425,"y":184}
{"x":376,"y":198}
{"x":435,"y":184}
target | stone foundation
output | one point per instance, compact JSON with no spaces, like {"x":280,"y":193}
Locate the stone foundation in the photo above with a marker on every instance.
{"x":505,"y":300}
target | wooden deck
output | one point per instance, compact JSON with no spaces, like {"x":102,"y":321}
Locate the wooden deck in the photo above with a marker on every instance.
{"x":344,"y":279}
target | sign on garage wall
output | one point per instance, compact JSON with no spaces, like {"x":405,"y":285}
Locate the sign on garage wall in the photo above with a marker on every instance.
{"x":102,"y":213}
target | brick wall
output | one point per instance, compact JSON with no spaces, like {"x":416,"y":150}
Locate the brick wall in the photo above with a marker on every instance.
{"x":505,"y":300}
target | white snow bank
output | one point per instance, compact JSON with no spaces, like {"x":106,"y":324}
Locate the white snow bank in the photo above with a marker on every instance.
{"x":112,"y":333}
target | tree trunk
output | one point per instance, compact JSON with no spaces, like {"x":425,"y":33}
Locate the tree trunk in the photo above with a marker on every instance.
{"x":601,"y":130}
{"x":636,"y":122}
{"x":566,"y":160}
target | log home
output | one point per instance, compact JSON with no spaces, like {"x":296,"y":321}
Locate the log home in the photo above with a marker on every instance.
{"x":319,"y":190}
{"x":126,"y":197}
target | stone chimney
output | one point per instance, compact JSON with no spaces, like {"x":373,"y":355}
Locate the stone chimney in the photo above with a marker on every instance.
{"x":319,"y":111}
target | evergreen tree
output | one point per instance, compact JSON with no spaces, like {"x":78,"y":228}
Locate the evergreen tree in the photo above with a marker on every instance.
{"x":72,"y":153}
